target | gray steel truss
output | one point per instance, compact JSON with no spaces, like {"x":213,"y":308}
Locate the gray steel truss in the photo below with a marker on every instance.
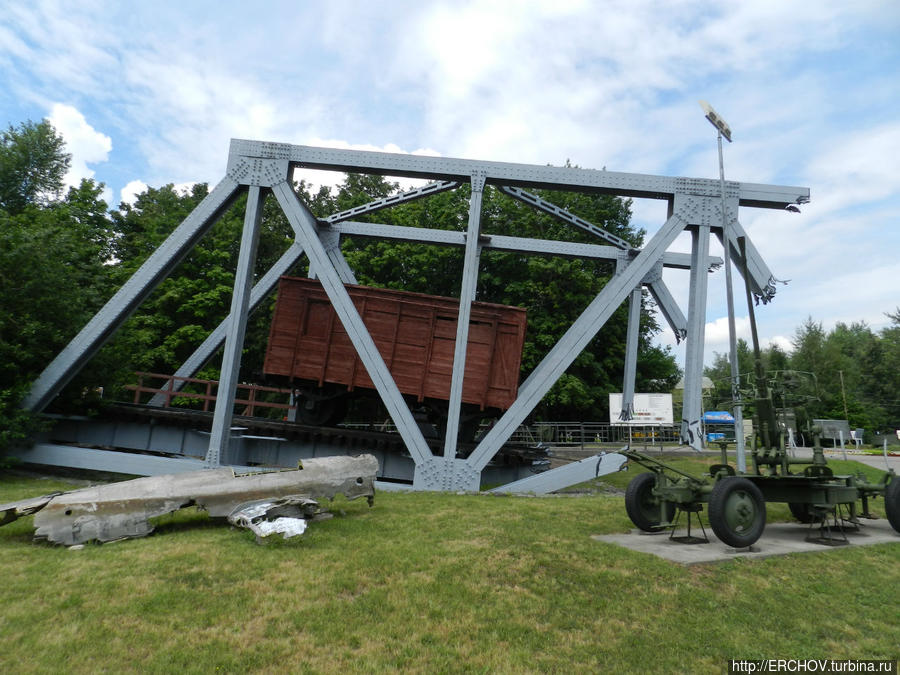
{"x":563,"y":476}
{"x":261,"y":168}
{"x":631,"y":354}
{"x":331,"y":234}
{"x":466,"y":298}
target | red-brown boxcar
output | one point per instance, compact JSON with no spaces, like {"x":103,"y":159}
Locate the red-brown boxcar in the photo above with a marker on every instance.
{"x":415,"y":334}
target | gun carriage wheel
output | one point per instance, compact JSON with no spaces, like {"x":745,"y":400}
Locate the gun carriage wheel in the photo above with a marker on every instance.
{"x":643,"y":506}
{"x":737,"y":511}
{"x":801,"y":511}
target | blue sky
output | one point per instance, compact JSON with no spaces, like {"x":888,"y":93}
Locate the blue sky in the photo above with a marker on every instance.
{"x":151,"y":93}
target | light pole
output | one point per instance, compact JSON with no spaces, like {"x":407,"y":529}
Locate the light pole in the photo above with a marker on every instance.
{"x":724,"y":130}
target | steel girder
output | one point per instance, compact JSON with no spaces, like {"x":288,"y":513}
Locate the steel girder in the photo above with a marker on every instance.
{"x":517,"y":175}
{"x":259,"y":165}
{"x":471,"y":259}
{"x":693,"y":360}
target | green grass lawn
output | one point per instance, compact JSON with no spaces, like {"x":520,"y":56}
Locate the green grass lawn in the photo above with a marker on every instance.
{"x":428,"y":583}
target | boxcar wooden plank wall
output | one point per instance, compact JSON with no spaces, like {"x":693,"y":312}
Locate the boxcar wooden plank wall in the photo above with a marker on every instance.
{"x":415,"y":334}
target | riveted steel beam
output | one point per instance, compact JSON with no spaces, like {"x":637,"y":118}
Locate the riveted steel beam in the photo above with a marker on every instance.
{"x":693,"y":363}
{"x":504,"y":243}
{"x":220,"y":436}
{"x":386,"y":202}
{"x":521,"y":175}
{"x":564,"y":215}
{"x":466,"y":297}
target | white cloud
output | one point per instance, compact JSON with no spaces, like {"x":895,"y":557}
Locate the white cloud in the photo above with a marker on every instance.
{"x":717,"y":330}
{"x":783,"y":343}
{"x":86,"y":144}
{"x":130,"y":192}
{"x":520,"y":81}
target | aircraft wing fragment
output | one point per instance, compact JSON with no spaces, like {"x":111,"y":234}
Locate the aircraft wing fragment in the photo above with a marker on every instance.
{"x":124,"y":510}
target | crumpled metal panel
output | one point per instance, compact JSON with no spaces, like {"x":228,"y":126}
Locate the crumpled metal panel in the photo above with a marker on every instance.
{"x":287,"y":516}
{"x":123,"y":510}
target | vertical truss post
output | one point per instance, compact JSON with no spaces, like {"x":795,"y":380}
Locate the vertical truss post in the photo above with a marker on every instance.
{"x":631,"y":352}
{"x":304,"y":226}
{"x":220,"y":437}
{"x":693,"y":363}
{"x":466,"y":296}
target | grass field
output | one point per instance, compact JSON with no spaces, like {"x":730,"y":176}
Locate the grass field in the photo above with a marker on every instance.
{"x":428,"y":583}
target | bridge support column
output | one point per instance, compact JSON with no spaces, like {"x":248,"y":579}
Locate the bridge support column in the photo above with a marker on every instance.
{"x":220,"y":436}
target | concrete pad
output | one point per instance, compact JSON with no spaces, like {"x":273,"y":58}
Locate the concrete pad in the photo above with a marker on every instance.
{"x":777,"y":539}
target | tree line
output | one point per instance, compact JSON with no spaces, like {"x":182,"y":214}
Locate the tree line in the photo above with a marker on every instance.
{"x":64,"y":253}
{"x":849,"y":372}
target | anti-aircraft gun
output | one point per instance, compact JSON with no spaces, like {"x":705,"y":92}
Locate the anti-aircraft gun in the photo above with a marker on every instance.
{"x":736,"y":501}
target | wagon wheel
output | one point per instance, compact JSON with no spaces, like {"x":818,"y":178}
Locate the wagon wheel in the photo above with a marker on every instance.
{"x":737,"y":511}
{"x":643,"y":506}
{"x":892,"y":502}
{"x":802,"y":512}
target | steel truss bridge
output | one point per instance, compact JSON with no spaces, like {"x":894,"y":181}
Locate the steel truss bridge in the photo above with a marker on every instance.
{"x":259,"y":169}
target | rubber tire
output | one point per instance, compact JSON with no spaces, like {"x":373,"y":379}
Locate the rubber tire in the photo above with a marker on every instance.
{"x":739,"y":530}
{"x":801,"y":512}
{"x":892,"y":502}
{"x":642,"y":506}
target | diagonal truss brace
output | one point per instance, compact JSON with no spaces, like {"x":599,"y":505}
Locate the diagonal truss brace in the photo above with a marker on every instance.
{"x":282,"y":266}
{"x":564,"y":215}
{"x":129,"y":297}
{"x":576,"y":339}
{"x":304,"y":225}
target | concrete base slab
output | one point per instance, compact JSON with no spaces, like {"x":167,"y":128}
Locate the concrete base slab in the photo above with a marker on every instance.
{"x":777,"y":539}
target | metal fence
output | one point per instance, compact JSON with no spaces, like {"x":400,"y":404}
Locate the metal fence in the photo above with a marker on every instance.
{"x":582,"y":434}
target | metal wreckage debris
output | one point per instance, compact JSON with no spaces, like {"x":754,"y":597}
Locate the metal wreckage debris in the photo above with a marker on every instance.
{"x":266,"y":503}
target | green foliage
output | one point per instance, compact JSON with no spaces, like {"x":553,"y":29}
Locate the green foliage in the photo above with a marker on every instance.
{"x":54,"y":278}
{"x":196,"y":297}
{"x":32,"y":165}
{"x":848,"y":373}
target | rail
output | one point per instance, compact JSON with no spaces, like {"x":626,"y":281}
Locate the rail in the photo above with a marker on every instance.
{"x":248,"y":395}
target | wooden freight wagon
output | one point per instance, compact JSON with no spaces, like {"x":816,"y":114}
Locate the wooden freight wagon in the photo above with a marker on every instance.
{"x":415,"y":334}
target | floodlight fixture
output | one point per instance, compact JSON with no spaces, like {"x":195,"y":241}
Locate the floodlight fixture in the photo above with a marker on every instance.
{"x":716,"y":120}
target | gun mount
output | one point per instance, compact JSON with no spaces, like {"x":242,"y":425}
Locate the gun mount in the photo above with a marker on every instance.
{"x":736,"y":502}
